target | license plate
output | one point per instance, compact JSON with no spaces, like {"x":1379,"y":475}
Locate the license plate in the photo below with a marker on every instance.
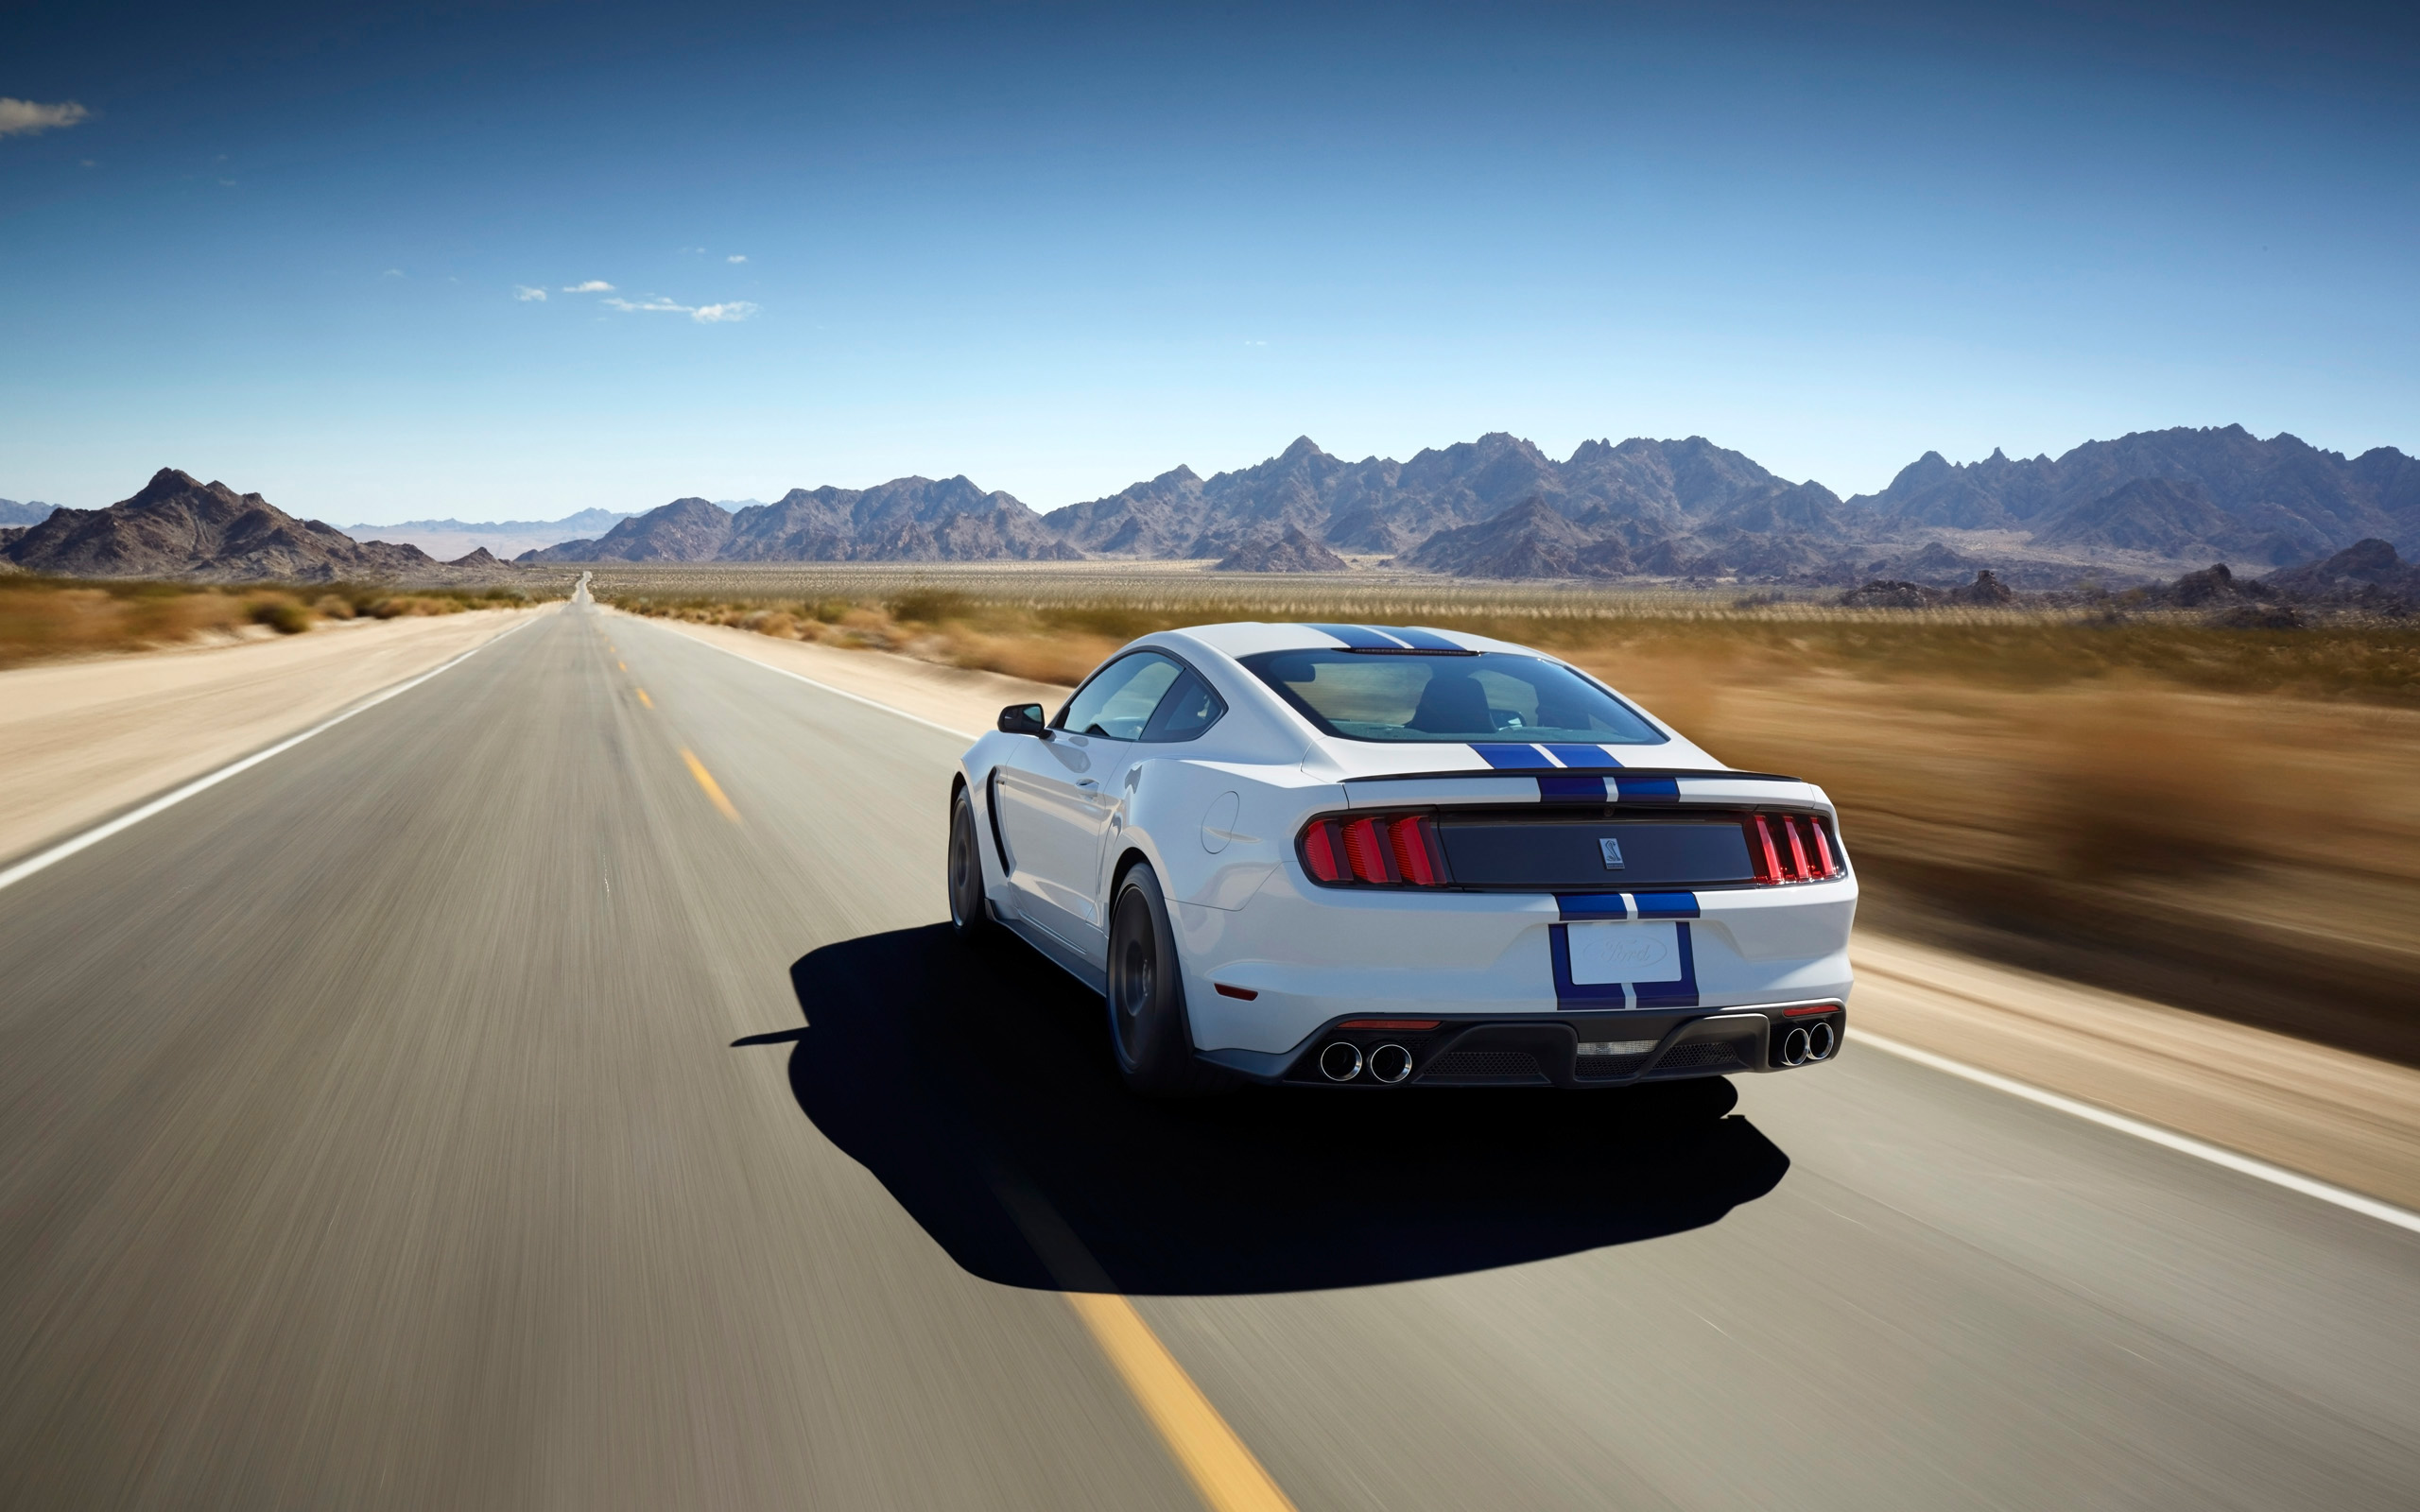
{"x":1608,"y":952}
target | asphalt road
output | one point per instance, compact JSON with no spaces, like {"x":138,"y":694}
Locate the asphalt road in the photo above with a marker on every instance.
{"x":372,"y":1135}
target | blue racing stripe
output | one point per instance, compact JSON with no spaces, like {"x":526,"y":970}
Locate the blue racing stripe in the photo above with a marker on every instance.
{"x":1587,"y":758}
{"x":1421,"y":640}
{"x":1511,"y":758}
{"x":1647,"y":789}
{"x":1679,"y":993}
{"x":1571,"y":789}
{"x":1570,"y":995}
{"x":1667,"y":905}
{"x":1591,"y":904}
{"x":1359,"y":637}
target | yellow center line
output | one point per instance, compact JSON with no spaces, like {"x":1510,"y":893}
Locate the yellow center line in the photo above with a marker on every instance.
{"x":624,"y":665}
{"x":645,"y":699}
{"x":706,"y":779}
{"x":1222,"y":1469}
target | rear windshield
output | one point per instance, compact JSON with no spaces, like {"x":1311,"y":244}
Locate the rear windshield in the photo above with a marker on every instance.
{"x":1493,"y":696}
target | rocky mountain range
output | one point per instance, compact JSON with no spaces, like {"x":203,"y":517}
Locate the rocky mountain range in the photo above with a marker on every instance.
{"x":179,"y":527}
{"x":31,"y":513}
{"x":449,"y":538}
{"x":910,"y":519}
{"x":1281,"y":551}
{"x":2137,"y":508}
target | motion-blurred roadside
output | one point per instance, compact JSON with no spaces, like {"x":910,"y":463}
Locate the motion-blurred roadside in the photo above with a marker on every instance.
{"x":2226,"y":820}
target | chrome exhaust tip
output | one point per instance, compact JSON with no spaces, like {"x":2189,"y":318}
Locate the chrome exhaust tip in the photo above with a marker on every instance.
{"x":1340,"y":1061}
{"x":1822,"y":1039}
{"x":1390,"y":1063}
{"x":1795,"y":1047}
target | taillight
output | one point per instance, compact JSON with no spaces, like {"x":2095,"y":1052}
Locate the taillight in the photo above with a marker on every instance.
{"x":1788,"y":848}
{"x":1323,"y":851}
{"x":1413,"y":844}
{"x":1374,"y":851}
{"x":1367,"y":849}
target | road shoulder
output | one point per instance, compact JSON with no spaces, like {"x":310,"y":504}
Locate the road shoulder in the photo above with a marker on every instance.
{"x":83,"y":740}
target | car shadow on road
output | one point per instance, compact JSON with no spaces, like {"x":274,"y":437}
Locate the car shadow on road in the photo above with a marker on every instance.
{"x":976,"y":1086}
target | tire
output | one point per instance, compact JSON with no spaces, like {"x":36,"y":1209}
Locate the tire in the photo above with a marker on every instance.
{"x":1148,"y":1032}
{"x":970,"y":916}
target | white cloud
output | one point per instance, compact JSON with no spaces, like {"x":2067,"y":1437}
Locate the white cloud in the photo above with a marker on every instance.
{"x":703,"y":314}
{"x":737,"y":257}
{"x":594,"y":286}
{"x":26,"y":117}
{"x":392,"y":272}
{"x":525,"y":293}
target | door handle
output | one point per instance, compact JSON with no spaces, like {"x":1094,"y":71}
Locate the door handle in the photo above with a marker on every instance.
{"x":1086,"y":782}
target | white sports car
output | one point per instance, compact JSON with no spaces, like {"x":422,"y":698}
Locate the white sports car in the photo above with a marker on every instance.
{"x":1373,"y":856}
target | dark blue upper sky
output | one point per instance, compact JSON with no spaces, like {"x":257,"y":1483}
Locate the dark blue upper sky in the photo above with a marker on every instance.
{"x":1058,"y":247}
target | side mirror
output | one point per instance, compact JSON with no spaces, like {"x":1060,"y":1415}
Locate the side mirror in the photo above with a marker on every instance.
{"x":1023,"y":719}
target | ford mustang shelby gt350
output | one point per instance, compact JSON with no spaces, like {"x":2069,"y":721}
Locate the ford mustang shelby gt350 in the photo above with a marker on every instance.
{"x":1377,"y":856}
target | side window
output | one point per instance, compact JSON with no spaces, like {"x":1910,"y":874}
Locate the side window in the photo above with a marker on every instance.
{"x":1189,"y":709}
{"x":1118,"y":700}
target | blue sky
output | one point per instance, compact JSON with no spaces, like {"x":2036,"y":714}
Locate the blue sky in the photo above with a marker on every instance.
{"x":1061,"y":247}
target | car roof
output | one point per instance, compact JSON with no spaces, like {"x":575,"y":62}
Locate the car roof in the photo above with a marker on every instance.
{"x":1249,"y":638}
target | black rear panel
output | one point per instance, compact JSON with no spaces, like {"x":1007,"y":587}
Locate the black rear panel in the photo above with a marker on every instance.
{"x":1566,"y":851}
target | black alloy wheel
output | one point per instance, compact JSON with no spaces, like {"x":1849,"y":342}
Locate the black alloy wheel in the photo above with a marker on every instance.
{"x":968,"y":913}
{"x":1147,"y":1031}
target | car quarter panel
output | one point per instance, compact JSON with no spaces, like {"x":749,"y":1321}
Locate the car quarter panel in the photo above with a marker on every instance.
{"x":1222,"y":828}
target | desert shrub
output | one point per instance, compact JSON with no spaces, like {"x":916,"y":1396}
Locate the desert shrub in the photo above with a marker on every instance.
{"x":333,"y":607}
{"x":931,"y":607}
{"x":2129,"y":783}
{"x":280,"y":614}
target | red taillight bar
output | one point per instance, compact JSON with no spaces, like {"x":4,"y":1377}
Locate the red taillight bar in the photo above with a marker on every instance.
{"x":1323,"y":851}
{"x":1413,"y":843}
{"x":1798,"y":867}
{"x":1367,"y":849}
{"x":1760,"y":850}
{"x":1388,"y":1023}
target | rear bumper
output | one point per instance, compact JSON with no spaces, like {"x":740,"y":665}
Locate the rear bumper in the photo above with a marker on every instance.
{"x":1265,"y":979}
{"x":1542,"y":1051}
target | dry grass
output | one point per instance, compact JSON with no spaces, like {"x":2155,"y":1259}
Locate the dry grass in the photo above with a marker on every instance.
{"x":42,"y":618}
{"x":2225,"y":819}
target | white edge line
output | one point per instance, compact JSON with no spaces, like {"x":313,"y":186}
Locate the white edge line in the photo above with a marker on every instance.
{"x":852,"y":697}
{"x":2183,"y":1145}
{"x":93,"y":836}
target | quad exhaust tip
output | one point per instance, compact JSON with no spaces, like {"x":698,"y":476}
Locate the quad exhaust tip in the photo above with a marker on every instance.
{"x":1390,"y":1063}
{"x":1815,"y":1042}
{"x":1340,"y":1061}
